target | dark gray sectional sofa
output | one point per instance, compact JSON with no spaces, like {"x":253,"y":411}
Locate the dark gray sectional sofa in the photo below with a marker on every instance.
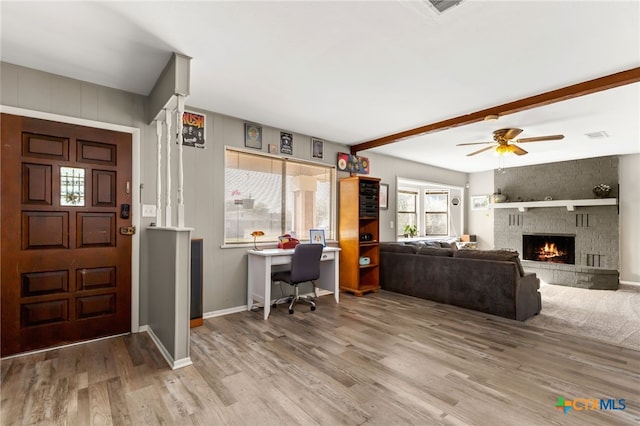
{"x":490,"y":281}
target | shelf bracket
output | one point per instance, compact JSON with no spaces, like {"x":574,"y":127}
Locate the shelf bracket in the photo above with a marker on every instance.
{"x":522,"y":209}
{"x":571,"y":207}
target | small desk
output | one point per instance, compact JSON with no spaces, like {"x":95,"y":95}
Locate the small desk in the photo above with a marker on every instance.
{"x":259,"y":271}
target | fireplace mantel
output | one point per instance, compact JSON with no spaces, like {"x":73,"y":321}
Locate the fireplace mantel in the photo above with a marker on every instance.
{"x":569,"y":204}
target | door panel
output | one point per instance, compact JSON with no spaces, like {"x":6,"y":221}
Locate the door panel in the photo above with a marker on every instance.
{"x":104,"y":182}
{"x":96,"y":229}
{"x":36,"y":184}
{"x":45,"y":230}
{"x":45,"y":146}
{"x":66,"y":271}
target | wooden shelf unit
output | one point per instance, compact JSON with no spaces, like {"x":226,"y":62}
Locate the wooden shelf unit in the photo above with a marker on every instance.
{"x":359,"y":215}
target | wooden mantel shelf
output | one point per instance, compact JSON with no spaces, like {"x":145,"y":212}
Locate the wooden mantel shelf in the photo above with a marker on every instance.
{"x":569,"y":204}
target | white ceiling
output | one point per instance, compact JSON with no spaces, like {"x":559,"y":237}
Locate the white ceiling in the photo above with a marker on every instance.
{"x":354,"y":71}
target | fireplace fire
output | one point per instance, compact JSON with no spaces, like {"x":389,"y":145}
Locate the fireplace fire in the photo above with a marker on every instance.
{"x":549,"y":248}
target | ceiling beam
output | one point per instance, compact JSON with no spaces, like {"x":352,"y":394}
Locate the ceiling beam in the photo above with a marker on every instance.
{"x":576,"y":90}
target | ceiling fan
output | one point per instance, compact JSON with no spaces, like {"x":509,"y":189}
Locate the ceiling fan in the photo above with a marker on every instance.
{"x":503,"y":141}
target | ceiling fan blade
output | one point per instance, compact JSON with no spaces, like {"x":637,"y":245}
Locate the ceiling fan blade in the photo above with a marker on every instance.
{"x":474,"y":143}
{"x":541,"y":138}
{"x":517,"y":150}
{"x":510,"y":133}
{"x":479,"y":151}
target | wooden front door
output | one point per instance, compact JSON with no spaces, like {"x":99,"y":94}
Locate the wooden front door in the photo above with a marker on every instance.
{"x":66,"y":268}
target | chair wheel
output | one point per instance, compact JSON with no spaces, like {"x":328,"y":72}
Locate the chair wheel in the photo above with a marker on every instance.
{"x":313,"y":308}
{"x":290,"y":311}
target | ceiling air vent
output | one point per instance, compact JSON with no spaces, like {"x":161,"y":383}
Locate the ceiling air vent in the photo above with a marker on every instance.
{"x":597,"y":135}
{"x":443,"y":5}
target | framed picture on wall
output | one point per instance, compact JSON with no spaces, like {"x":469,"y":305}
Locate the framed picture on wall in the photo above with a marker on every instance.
{"x":384,"y":196}
{"x":479,"y":202}
{"x":353,"y":163}
{"x":252,"y":136}
{"x":317,"y":148}
{"x":286,"y":143}
{"x":193,"y":129}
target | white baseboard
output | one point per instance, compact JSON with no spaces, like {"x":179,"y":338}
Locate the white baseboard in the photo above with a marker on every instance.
{"x":235,"y":310}
{"x":223,"y":312}
{"x":174,"y":364}
{"x":629,"y":285}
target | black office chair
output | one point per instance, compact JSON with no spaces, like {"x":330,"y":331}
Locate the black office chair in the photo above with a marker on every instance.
{"x":305,"y":267}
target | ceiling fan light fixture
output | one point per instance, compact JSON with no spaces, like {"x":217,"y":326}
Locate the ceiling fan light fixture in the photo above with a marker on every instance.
{"x":504,"y":149}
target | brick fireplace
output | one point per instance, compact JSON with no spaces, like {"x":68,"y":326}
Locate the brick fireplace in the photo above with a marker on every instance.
{"x":590,"y":232}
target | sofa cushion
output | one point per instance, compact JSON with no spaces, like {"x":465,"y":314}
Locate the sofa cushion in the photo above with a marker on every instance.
{"x":431,"y":251}
{"x":397,"y":248}
{"x":452,"y":246}
{"x":432,"y":244}
{"x":499,"y":255}
{"x":419,"y":243}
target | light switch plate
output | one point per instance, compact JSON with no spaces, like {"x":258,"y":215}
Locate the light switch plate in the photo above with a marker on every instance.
{"x":148,"y":210}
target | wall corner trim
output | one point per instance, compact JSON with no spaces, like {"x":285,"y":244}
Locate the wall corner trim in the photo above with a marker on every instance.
{"x":174,"y":364}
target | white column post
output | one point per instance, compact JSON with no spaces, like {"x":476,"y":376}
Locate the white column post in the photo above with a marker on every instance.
{"x":158,"y":173}
{"x":168,"y":215}
{"x":179,"y":115}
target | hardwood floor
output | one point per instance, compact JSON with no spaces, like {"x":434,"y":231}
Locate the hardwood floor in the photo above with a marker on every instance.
{"x":382,"y":359}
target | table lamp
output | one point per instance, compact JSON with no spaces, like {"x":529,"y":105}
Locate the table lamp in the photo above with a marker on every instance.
{"x":256,"y":234}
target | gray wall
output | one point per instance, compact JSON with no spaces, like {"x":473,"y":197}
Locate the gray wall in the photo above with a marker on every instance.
{"x":169,"y":252}
{"x":225,"y":269}
{"x":480,"y":222}
{"x":389,"y":168}
{"x":629,"y":177}
{"x":563,"y":180}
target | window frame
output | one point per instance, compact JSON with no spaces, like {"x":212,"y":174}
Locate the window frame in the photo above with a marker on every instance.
{"x":456,"y":215}
{"x":447,"y":212}
{"x":416,"y":193}
{"x":330,"y":231}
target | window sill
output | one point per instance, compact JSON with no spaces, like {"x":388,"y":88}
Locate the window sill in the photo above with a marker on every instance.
{"x":433,"y":238}
{"x":266,"y":245}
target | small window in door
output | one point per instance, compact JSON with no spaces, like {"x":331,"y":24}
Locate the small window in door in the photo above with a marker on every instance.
{"x":71,"y":186}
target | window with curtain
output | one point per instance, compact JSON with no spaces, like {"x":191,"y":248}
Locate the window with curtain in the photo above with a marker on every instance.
{"x":277,"y":196}
{"x":407,"y":209}
{"x":436,"y":211}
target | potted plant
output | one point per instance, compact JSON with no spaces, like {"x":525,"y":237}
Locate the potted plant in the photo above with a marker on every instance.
{"x":410,"y":231}
{"x":601,"y":190}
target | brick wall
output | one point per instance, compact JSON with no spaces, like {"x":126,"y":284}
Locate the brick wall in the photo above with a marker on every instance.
{"x":566,"y":180}
{"x":596,"y":228}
